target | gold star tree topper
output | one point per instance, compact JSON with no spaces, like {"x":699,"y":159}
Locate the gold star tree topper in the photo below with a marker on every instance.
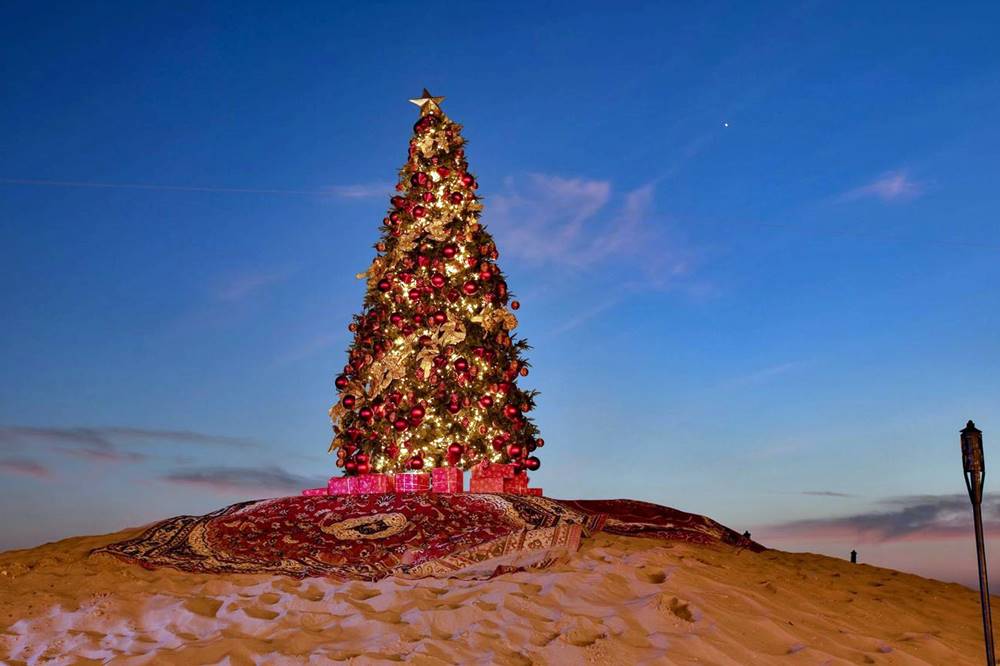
{"x":427,"y":102}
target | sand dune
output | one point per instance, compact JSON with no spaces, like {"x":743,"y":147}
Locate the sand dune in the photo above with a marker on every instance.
{"x":618,"y":601}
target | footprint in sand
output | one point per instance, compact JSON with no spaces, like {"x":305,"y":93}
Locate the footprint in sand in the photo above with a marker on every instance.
{"x":681,"y":609}
{"x":260,"y":613}
{"x":311,"y":593}
{"x":269,"y":598}
{"x":364,"y":594}
{"x":656,"y":576}
{"x":204,"y":606}
{"x":583,"y":636}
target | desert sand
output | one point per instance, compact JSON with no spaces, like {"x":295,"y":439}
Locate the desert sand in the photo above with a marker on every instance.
{"x":619,"y":600}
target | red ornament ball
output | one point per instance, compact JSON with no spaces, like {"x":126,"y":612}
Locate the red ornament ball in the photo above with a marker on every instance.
{"x":533,"y":463}
{"x":416,"y":462}
{"x":438,"y":280}
{"x":515,"y":305}
{"x":455,"y":450}
{"x":539,"y":442}
{"x":467,"y":180}
{"x":514,"y":450}
{"x":510,"y":411}
{"x":455,"y":198}
{"x":449,"y":251}
{"x":461,"y":365}
{"x":486,"y":401}
{"x":341,"y":382}
{"x":400,"y":424}
{"x":384,"y":285}
{"x":417,"y":412}
{"x":351,"y":467}
{"x":419,"y":211}
{"x":470,"y":287}
{"x":349,"y":401}
{"x":366,"y":413}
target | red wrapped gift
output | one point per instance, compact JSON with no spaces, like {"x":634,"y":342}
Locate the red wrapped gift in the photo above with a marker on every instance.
{"x":488,"y":470}
{"x":366,"y":484}
{"x":535,"y":492}
{"x":413,"y":482}
{"x":486,"y":485}
{"x":517,"y":485}
{"x":312,"y":492}
{"x":447,"y":479}
{"x":338,"y":485}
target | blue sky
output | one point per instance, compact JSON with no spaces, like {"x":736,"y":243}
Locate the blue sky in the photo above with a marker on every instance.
{"x":785,"y":319}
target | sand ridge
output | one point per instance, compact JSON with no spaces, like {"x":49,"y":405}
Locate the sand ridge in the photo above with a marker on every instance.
{"x":619,"y":600}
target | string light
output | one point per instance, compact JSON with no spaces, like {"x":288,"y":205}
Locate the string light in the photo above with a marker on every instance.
{"x":434,"y":340}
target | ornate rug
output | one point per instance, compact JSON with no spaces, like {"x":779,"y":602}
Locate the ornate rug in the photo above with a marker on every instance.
{"x":369,"y":537}
{"x":644,"y":519}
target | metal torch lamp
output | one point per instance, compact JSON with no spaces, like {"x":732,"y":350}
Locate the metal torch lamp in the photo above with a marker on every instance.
{"x":975,"y":472}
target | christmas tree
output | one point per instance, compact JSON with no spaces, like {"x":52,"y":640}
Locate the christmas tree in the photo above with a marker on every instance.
{"x":431,"y":378}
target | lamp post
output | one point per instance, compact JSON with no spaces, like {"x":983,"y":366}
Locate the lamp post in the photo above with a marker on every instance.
{"x":975,"y":472}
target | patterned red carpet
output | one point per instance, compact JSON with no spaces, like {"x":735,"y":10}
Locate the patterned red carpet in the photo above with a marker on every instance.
{"x":414,"y":535}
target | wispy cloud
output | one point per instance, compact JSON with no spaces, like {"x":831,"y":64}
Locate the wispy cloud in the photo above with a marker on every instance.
{"x":107,"y":444}
{"x":363,"y":191}
{"x":889,"y":187}
{"x":232,"y":479}
{"x":764,"y":374}
{"x":103,"y":455}
{"x":583,"y":317}
{"x":824,"y":493}
{"x":242,"y":286}
{"x":306,"y":349}
{"x":24,"y":467}
{"x":917,"y":517}
{"x":579,"y":223}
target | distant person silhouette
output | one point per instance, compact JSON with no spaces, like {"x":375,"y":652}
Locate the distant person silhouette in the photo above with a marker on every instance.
{"x":747,"y":534}
{"x":854,"y":557}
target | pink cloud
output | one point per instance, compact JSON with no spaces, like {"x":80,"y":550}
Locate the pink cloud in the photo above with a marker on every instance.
{"x":24,"y":467}
{"x":916,"y":518}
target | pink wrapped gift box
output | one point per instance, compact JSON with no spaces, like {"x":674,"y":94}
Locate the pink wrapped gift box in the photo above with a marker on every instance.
{"x":488,"y":470}
{"x":447,"y":479}
{"x":413,"y":482}
{"x":535,"y":492}
{"x":366,"y":484}
{"x":517,"y":485}
{"x":486,"y":485}
{"x":338,"y":485}
{"x":312,"y":492}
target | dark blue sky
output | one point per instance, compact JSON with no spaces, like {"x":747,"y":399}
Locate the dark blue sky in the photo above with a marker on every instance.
{"x":782,"y":319}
